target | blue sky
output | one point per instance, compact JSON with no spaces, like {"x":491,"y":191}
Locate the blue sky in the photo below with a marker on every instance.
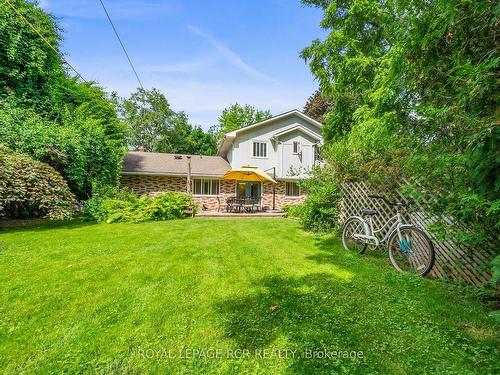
{"x":203,"y":55}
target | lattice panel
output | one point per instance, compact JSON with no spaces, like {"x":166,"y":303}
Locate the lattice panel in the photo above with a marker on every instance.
{"x":452,"y":260}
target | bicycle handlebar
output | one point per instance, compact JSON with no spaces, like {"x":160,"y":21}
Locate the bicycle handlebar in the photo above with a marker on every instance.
{"x":407,"y":203}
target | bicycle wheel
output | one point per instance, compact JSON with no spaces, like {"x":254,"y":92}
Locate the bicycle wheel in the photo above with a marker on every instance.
{"x":414,"y":253}
{"x":353,"y":226}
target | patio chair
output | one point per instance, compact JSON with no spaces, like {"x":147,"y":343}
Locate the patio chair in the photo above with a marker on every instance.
{"x":233,"y":204}
{"x":229,"y":204}
{"x":248,"y":204}
{"x":256,"y":204}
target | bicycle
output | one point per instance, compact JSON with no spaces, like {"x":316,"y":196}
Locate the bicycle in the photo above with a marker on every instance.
{"x":410,"y":248}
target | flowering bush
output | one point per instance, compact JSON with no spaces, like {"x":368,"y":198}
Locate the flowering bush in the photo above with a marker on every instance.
{"x":29,"y":188}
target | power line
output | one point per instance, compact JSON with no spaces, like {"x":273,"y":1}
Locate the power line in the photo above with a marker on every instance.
{"x":121,"y":43}
{"x":45,"y":40}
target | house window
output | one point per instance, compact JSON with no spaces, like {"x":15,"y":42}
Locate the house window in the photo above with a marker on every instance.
{"x":296,"y":147}
{"x":260,"y":149}
{"x":206,"y":186}
{"x":292,"y":189}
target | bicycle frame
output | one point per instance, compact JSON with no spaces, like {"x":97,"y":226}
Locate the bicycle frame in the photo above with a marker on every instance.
{"x":396,"y":223}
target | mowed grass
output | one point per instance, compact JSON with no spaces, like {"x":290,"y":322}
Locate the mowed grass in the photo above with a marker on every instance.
{"x":223,"y":296}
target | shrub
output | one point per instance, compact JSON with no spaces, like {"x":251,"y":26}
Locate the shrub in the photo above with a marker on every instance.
{"x":127,"y":207}
{"x":29,"y":188}
{"x":93,"y":208}
{"x":78,"y":148}
{"x":320,"y":210}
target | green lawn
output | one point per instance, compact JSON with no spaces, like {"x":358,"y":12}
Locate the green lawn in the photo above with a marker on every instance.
{"x":169,"y":297}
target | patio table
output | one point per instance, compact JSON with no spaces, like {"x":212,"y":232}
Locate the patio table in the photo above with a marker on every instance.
{"x":234,"y":203}
{"x":242,"y":203}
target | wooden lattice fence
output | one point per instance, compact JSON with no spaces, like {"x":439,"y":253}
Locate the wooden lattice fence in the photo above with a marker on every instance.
{"x":453,"y":261}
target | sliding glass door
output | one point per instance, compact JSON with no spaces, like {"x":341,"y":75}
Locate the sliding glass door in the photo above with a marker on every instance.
{"x":248,"y":189}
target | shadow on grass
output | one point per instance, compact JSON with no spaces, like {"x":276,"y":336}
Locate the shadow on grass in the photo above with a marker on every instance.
{"x":297,"y":314}
{"x":333,"y":251}
{"x":396,"y":320}
{"x":38,"y":225}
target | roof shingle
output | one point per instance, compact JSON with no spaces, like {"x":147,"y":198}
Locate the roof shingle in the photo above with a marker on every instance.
{"x":173,"y":164}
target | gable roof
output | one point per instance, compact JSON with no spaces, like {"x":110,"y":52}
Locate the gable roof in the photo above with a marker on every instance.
{"x":293,"y":112}
{"x":299,"y":128}
{"x":160,"y":164}
{"x":229,"y":137}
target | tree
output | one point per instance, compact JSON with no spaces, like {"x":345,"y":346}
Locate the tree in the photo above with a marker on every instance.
{"x":78,"y":149}
{"x":188,"y":139}
{"x":148,"y":118}
{"x":414,"y":86}
{"x":49,"y":115}
{"x":29,"y":68}
{"x":236,"y":116}
{"x":317,"y":106}
{"x":201,"y":142}
{"x":345,"y":63}
{"x":155,"y":127}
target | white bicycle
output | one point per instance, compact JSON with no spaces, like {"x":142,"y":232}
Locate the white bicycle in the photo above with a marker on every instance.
{"x":410,"y":248}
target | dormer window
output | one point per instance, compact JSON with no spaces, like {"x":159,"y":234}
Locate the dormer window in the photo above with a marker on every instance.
{"x":296,"y":147}
{"x":259,"y":150}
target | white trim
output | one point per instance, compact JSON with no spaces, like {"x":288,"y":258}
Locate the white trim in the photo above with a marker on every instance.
{"x":254,"y":141}
{"x":298,"y":128}
{"x":299,"y":147}
{"x":202,"y":180}
{"x":234,"y":133}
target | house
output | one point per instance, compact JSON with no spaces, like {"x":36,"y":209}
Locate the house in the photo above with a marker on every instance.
{"x":284,"y":147}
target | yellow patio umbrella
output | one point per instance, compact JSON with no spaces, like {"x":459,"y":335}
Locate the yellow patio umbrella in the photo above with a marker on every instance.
{"x":248,"y":174}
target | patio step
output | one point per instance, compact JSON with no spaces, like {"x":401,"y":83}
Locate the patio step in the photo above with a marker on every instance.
{"x":240,"y":214}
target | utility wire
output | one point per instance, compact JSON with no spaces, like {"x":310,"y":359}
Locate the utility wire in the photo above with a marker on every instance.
{"x":121,"y":43}
{"x":45,"y":40}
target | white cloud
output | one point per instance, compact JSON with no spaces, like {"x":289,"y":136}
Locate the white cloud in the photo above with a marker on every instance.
{"x":229,"y":55}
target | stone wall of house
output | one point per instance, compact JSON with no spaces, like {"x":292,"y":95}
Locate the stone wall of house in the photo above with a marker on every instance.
{"x":152,"y":185}
{"x":281,"y":198}
{"x":211,"y":203}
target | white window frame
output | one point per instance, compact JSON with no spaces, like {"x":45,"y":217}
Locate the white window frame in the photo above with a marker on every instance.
{"x":253,"y":149}
{"x":210,"y":186}
{"x":299,"y":146}
{"x":286,"y":189}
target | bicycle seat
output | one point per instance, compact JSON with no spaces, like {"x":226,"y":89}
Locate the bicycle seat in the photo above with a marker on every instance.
{"x":368,"y":212}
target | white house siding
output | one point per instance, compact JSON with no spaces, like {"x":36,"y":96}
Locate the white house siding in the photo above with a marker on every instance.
{"x":301,"y":163}
{"x":279,"y":154}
